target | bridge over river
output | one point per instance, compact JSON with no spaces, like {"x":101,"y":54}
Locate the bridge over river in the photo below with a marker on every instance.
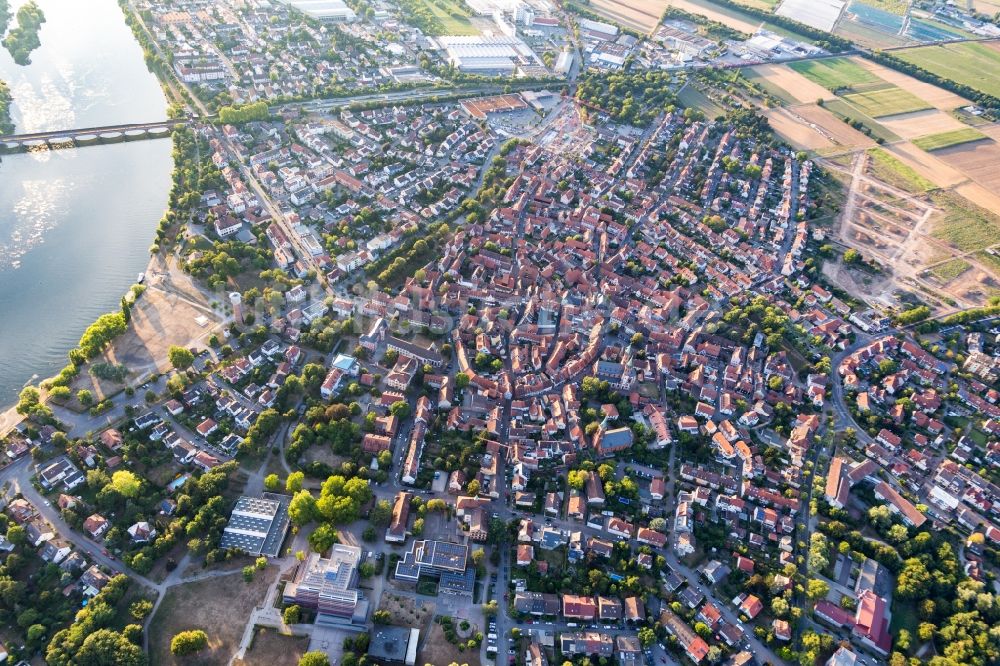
{"x":13,"y":143}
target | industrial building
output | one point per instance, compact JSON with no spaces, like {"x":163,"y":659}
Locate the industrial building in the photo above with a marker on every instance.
{"x":334,"y":11}
{"x":497,"y":55}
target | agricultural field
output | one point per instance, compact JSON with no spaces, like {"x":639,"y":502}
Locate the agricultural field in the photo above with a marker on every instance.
{"x":867,"y":35}
{"x":974,"y":64}
{"x":979,"y":160}
{"x":733,"y":18}
{"x":640,"y":15}
{"x":766,"y":5}
{"x":886,"y":100}
{"x":843,"y":110}
{"x":891,"y":170}
{"x":988,"y":7}
{"x":897,"y":7}
{"x":787,"y":84}
{"x":811,"y":127}
{"x":835,"y":73}
{"x":819,"y":14}
{"x":956,"y":137}
{"x":922,"y":123}
{"x":939,"y":98}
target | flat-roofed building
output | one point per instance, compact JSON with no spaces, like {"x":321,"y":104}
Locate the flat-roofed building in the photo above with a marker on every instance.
{"x":257,"y":525}
{"x":394,"y":646}
{"x":432,"y":558}
{"x":335,"y":11}
{"x":488,"y":54}
{"x":329,"y":586}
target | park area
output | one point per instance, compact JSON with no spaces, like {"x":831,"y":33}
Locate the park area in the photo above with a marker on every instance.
{"x":974,"y":64}
{"x":220,"y":606}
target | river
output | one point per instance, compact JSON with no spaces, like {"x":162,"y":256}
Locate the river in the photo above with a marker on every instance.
{"x":75,"y":224}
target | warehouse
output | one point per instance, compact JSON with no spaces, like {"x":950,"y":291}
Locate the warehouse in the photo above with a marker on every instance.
{"x":497,"y":55}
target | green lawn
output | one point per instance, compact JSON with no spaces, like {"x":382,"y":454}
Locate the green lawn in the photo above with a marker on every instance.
{"x":971,"y":63}
{"x":887,"y":168}
{"x":948,"y":139}
{"x":845,"y":111}
{"x":888,"y":101}
{"x":834,"y":73}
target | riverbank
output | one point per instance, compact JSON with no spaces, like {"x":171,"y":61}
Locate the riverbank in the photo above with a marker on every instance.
{"x":6,"y":99}
{"x":75,"y":224}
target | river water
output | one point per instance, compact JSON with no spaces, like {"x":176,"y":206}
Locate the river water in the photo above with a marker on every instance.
{"x":75,"y":224}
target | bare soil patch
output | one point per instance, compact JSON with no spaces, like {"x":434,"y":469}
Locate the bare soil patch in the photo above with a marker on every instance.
{"x":979,"y":195}
{"x":979,"y":160}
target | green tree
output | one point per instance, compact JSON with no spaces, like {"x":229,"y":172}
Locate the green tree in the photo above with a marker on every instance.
{"x":302,"y":508}
{"x":272,"y":483}
{"x":126,"y":483}
{"x":294,"y":482}
{"x":180,"y":357}
{"x":315,"y":658}
{"x":817,"y":589}
{"x":323,"y":537}
{"x":400,"y":409}
{"x":381,"y":513}
{"x":105,"y":647}
{"x":292,"y":615}
{"x":188,"y":642}
{"x":141,"y":608}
